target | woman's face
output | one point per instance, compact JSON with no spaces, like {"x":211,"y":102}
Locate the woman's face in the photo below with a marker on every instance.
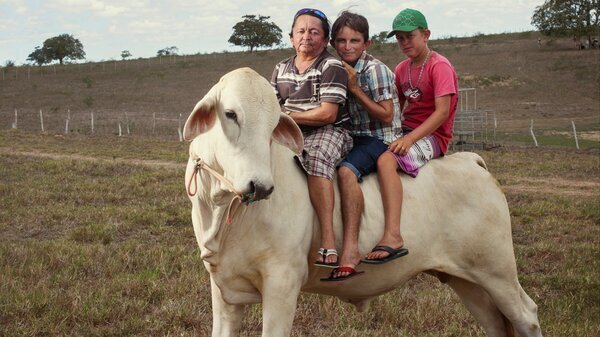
{"x":308,"y":37}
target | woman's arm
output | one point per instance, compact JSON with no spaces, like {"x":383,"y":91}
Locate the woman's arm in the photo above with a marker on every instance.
{"x":325,"y":114}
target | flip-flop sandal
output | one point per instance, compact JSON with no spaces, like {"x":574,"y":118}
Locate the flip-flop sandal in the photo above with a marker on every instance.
{"x":394,"y":254}
{"x":324,"y":253}
{"x":350,"y":270}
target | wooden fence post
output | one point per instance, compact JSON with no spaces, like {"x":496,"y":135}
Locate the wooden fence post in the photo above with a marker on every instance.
{"x":532,"y":134}
{"x":495,"y":127}
{"x":67,"y":121}
{"x":575,"y":134}
{"x":153,"y":122}
{"x":42,"y":120}
{"x":179,"y":130}
{"x":92,"y":122}
{"x":15,"y":124}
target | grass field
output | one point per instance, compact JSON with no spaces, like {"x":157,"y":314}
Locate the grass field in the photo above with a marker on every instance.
{"x":96,"y":240}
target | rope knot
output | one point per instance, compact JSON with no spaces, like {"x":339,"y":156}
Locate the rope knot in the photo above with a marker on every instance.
{"x":245,"y":199}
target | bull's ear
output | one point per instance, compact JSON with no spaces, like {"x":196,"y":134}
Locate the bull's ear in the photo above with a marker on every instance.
{"x":287,"y":133}
{"x":202,"y":117}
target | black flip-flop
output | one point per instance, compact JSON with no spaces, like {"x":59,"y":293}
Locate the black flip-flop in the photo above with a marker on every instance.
{"x":394,"y":254}
{"x":350,"y":270}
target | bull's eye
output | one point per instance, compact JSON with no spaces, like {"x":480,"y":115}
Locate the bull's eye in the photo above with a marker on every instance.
{"x":231,"y":115}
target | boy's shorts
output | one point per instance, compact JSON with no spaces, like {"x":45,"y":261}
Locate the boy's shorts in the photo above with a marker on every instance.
{"x":418,"y":155}
{"x":362,"y":159}
{"x":324,"y":148}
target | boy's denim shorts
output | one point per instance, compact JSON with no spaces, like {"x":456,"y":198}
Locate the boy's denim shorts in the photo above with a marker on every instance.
{"x":362,"y":159}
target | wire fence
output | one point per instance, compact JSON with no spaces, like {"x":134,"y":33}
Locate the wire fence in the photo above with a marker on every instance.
{"x":100,"y":122}
{"x":474,"y":128}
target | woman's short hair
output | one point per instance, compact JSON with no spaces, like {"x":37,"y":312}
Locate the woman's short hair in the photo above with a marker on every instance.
{"x":312,"y":12}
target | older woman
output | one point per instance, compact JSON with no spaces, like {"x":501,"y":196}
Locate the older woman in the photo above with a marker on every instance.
{"x":311,"y":87}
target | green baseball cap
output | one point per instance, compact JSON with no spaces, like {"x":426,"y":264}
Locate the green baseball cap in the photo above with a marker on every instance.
{"x":407,"y":21}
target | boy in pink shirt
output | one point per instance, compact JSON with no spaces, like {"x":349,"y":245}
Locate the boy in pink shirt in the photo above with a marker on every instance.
{"x":428,"y":92}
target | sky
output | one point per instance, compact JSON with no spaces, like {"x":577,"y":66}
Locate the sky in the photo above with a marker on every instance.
{"x":108,"y":27}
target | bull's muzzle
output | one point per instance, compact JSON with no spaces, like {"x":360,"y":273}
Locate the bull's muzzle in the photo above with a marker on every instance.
{"x":258,"y":191}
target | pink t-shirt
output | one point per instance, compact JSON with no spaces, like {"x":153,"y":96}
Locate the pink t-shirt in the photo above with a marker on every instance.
{"x":438,"y":79}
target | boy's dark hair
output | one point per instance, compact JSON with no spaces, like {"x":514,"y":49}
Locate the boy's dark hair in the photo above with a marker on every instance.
{"x":351,"y":20}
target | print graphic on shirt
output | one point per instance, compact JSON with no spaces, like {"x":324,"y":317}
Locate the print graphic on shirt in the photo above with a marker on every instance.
{"x":413,"y":95}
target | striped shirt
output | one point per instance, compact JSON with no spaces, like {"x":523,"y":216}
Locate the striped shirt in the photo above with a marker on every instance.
{"x":377,"y":81}
{"x":324,"y":81}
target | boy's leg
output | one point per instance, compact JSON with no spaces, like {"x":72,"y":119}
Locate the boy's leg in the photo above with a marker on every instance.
{"x":361,"y":161}
{"x":352,"y":203}
{"x":391,"y":194}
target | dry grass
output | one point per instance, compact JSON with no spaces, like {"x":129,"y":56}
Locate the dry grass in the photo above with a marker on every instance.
{"x":97,"y":241}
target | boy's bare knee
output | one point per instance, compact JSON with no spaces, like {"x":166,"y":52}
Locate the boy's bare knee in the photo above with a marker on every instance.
{"x":346,"y":174}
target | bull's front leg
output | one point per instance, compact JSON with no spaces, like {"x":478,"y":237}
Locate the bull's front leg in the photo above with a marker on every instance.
{"x":279,"y":296}
{"x":227,"y":318}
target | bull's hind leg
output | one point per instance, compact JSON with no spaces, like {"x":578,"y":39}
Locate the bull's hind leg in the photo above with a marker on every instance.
{"x":227,"y":318}
{"x":481,"y":306}
{"x":515,"y":304}
{"x":503,"y":288}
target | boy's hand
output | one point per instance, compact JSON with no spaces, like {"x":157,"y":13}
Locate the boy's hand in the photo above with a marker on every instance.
{"x":401,"y":145}
{"x":352,"y":82}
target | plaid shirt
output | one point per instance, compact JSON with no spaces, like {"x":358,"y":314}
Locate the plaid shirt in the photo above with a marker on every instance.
{"x":376,"y":81}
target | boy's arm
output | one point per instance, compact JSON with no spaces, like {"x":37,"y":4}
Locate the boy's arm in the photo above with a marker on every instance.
{"x":437,"y":118}
{"x":383,"y":110}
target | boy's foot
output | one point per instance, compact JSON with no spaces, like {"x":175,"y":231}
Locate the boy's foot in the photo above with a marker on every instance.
{"x":341,"y":274}
{"x":382,"y":254}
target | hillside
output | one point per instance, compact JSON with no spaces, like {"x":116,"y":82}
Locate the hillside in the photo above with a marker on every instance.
{"x":515,"y":79}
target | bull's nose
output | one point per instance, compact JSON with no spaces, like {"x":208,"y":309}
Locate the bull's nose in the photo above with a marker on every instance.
{"x":260,"y":191}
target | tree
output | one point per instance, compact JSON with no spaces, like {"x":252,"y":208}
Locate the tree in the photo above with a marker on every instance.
{"x":575,"y":18}
{"x":168,"y":51}
{"x":125,"y":54}
{"x":38,"y":57}
{"x":379,"y":40}
{"x":255,"y":31}
{"x":61,"y":47}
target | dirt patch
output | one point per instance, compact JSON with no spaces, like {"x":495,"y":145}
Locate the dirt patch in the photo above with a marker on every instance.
{"x":58,"y":156}
{"x":556,"y":186}
{"x":586,"y":135}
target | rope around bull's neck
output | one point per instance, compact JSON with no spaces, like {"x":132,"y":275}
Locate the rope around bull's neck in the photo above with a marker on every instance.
{"x":200,"y":164}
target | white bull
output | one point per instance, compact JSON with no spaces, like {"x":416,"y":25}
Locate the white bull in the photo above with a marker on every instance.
{"x":455,"y":221}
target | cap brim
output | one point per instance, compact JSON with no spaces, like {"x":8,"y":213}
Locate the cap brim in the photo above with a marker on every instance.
{"x":402,"y":29}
